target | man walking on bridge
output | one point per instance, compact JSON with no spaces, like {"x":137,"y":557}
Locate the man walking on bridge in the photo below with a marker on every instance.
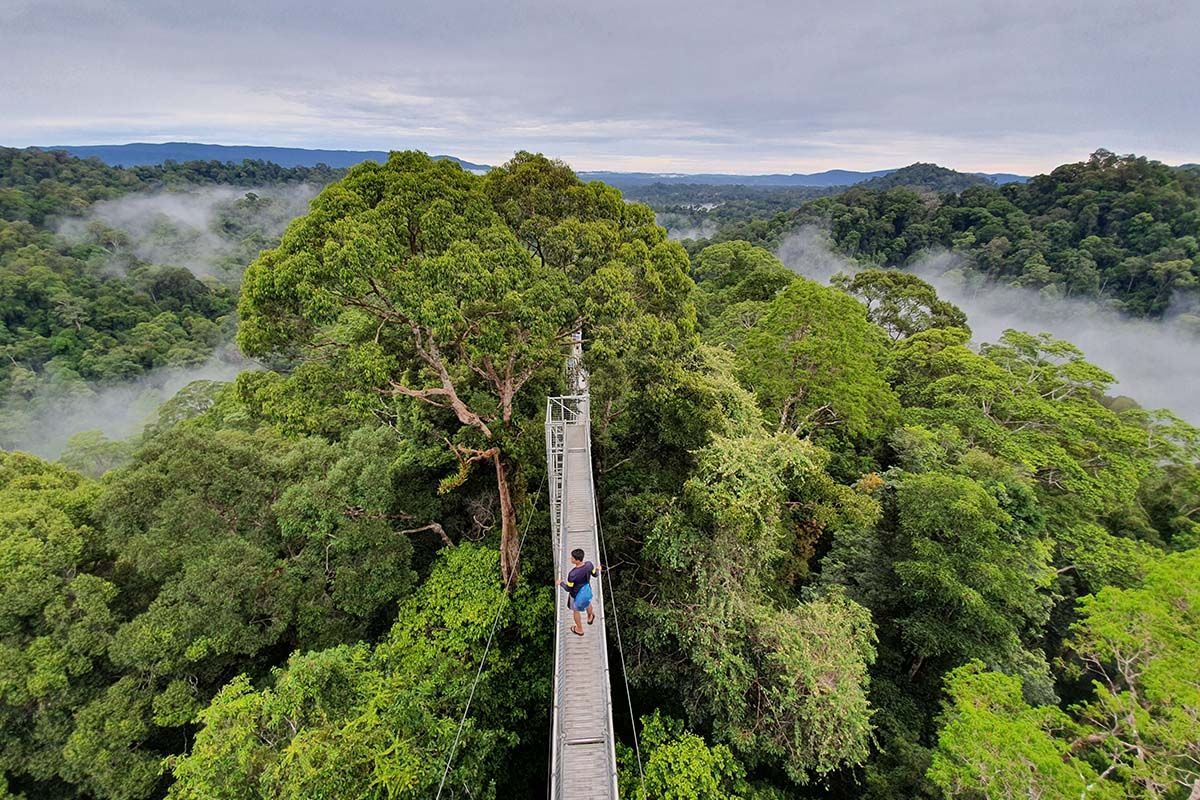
{"x":578,"y":584}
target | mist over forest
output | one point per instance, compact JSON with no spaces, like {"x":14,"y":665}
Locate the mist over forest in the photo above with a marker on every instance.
{"x":1152,"y":359}
{"x":641,"y":400}
{"x":212,"y":231}
{"x":1149,"y":358}
{"x":44,"y":426}
{"x":136,"y":279}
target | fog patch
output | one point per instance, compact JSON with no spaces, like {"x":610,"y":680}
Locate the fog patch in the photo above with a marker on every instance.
{"x":684,"y":226}
{"x":703,"y":231}
{"x":213,"y":231}
{"x":1156,"y":362}
{"x":43,"y":424}
{"x":809,"y":252}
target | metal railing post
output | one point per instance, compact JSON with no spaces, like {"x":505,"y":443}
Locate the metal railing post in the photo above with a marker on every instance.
{"x":572,"y":410}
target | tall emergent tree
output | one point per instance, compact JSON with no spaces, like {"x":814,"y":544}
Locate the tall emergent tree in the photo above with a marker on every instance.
{"x":814,"y":360}
{"x":900,"y":302}
{"x":417,"y":280}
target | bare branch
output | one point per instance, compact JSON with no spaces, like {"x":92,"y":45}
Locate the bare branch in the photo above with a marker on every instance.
{"x":424,"y":395}
{"x":436,"y":528}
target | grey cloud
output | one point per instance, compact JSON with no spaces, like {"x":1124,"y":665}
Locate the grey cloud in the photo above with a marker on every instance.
{"x":1020,"y":85}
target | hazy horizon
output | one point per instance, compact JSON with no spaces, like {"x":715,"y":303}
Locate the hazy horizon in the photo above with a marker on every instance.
{"x":493,"y":162}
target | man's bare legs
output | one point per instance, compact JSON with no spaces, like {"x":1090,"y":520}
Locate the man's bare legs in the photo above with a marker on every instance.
{"x":591,"y":615}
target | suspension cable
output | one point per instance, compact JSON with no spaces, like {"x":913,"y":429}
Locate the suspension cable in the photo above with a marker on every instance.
{"x":495,"y":621}
{"x":612,"y":595}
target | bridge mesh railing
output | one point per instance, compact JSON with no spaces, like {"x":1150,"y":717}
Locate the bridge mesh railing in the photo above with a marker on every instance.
{"x":570,"y":411}
{"x":560,"y":412}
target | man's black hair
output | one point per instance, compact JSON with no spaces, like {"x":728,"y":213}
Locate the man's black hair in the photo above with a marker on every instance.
{"x":577,"y":554}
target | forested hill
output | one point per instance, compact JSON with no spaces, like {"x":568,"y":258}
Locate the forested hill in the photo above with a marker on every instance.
{"x":1120,"y":228}
{"x":36,"y":185}
{"x":855,"y":557}
{"x":916,"y":174}
{"x":699,"y":210}
{"x":927,"y":176}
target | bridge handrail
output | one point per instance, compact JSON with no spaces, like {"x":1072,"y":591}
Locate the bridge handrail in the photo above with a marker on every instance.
{"x":572,"y":410}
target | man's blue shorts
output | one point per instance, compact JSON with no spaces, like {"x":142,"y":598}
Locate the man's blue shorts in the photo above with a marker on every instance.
{"x":582,"y":598}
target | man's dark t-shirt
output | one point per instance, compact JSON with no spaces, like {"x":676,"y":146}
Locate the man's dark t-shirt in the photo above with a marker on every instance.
{"x":579,"y":577}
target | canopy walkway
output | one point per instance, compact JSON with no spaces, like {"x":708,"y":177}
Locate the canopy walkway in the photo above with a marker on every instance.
{"x":582,"y":753}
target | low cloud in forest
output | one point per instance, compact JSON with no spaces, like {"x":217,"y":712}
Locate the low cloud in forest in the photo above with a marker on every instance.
{"x":678,"y":234}
{"x":1156,"y":362}
{"x":213,"y":231}
{"x":44,"y":426}
{"x":809,"y":252}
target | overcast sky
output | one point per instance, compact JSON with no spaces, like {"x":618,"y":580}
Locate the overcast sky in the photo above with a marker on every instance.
{"x":746,"y":86}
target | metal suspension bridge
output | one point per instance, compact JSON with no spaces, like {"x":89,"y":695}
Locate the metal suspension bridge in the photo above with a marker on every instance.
{"x":583,"y":760}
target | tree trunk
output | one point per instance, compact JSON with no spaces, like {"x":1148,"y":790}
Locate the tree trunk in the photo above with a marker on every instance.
{"x":509,"y":541}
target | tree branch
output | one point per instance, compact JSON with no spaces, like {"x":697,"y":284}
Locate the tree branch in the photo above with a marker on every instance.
{"x":424,"y":395}
{"x":436,"y":528}
{"x":1082,"y":742}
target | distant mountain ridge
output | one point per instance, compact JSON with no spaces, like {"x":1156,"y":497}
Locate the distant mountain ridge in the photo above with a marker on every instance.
{"x":832,"y":177}
{"x":150,"y":154}
{"x":138,"y":154}
{"x":1002,"y":178}
{"x":828,"y":178}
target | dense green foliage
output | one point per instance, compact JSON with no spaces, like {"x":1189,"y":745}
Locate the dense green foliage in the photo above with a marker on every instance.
{"x":900,"y":303}
{"x":855,"y":556}
{"x":813,"y":359}
{"x":68,"y":318}
{"x":36,"y":185}
{"x":85,"y":303}
{"x":353,"y":721}
{"x":929,"y":177}
{"x":1137,"y":737}
{"x":679,"y":765}
{"x":1113,"y":227}
{"x":696,"y":211}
